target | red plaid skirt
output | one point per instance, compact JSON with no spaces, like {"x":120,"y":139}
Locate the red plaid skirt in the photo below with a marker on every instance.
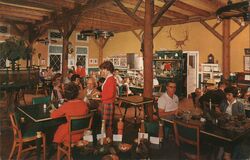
{"x":107,"y":111}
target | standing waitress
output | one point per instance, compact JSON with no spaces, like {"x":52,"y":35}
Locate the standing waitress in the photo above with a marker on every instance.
{"x":108,"y":95}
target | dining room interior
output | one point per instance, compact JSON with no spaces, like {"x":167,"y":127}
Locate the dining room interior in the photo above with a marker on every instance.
{"x":125,"y":79}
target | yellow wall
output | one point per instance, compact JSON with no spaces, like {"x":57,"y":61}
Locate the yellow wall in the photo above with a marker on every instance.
{"x":199,"y":39}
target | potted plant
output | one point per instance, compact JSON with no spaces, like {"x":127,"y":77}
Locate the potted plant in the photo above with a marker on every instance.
{"x":14,"y":49}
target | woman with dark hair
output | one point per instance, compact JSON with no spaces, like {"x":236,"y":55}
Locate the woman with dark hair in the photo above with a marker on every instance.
{"x":108,"y":95}
{"x":73,"y":107}
{"x":231,"y":106}
{"x":57,"y":91}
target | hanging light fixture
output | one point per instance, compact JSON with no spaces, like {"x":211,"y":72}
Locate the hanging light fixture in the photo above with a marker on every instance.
{"x":238,"y":10}
{"x":97,"y":33}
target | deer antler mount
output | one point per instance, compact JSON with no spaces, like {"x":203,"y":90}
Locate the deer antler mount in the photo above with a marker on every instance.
{"x":178,"y":43}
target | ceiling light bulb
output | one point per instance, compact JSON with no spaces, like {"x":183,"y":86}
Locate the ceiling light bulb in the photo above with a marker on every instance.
{"x":242,"y":23}
{"x":218,"y":19}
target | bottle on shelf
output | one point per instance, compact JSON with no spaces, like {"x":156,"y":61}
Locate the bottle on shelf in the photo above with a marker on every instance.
{"x":120,"y":126}
{"x":103,"y":132}
{"x":142,"y":128}
{"x":160,"y":134}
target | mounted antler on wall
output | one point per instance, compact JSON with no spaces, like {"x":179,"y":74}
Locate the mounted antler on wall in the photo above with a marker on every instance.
{"x":178,"y":43}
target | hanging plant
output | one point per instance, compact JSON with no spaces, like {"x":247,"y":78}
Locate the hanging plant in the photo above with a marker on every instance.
{"x":14,"y":49}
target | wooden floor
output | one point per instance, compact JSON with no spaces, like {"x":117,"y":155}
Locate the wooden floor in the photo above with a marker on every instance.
{"x":6,"y":132}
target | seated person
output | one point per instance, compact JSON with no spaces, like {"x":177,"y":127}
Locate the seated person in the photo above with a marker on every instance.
{"x":220,"y":95}
{"x":58,"y":87}
{"x":73,"y":107}
{"x":90,"y":91}
{"x":69,"y":75}
{"x":75,"y":78}
{"x":168,"y":102}
{"x":196,"y":96}
{"x":99,"y":83}
{"x":209,"y":94}
{"x":231,"y":106}
{"x":127,"y":84}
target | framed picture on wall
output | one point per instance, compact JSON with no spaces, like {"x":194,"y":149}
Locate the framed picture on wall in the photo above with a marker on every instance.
{"x":246,"y":63}
{"x":116,"y":62}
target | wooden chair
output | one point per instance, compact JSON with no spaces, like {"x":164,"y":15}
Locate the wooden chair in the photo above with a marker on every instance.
{"x":20,"y":138}
{"x":187,"y":138}
{"x":40,"y":100}
{"x":77,"y":125}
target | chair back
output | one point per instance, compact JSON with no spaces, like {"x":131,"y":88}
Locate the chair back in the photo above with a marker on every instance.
{"x":14,"y":119}
{"x":40,"y":100}
{"x":78,"y":124}
{"x":208,"y":111}
{"x":123,"y":90}
{"x":157,"y":88}
{"x":187,"y":138}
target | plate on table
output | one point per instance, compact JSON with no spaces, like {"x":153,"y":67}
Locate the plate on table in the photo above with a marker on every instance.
{"x":110,"y":157}
{"x":124,"y":147}
{"x":82,"y":143}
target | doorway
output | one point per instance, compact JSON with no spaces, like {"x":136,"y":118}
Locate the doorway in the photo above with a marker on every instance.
{"x":191,"y":68}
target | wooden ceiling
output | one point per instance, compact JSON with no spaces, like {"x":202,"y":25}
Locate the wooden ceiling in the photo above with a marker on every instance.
{"x":105,"y":14}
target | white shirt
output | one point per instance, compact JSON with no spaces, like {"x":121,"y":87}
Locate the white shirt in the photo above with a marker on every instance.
{"x":167,"y":103}
{"x":229,"y":107}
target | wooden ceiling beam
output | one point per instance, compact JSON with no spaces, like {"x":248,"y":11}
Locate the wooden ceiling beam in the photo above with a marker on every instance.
{"x":110,"y":17}
{"x":169,"y":12}
{"x":22,"y":10}
{"x":238,"y":31}
{"x":163,"y":9}
{"x":100,"y":22}
{"x":16,"y":19}
{"x":129,"y":13}
{"x":193,"y":9}
{"x":213,"y":31}
{"x":104,"y":26}
{"x":39,"y":18}
{"x":175,"y":22}
{"x":56,"y":4}
{"x":27,"y":5}
{"x":176,"y":14}
{"x":137,"y":6}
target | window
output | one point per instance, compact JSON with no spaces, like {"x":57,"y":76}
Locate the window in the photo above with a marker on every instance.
{"x":55,"y":35}
{"x":2,"y":61}
{"x":55,"y":57}
{"x":82,"y":56}
{"x":81,"y":38}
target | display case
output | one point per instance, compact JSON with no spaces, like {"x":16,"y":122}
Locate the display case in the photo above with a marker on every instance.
{"x":168,"y":65}
{"x":210,"y":71}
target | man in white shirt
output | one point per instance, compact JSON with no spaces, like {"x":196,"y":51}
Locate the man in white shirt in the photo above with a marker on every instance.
{"x":168,"y":102}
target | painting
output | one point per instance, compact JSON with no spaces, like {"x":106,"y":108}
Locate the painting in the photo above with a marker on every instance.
{"x":123,"y":62}
{"x":116,"y":62}
{"x":246,"y":63}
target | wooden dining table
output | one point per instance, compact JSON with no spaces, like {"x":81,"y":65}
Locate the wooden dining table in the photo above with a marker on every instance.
{"x":135,"y":101}
{"x":40,"y":117}
{"x":213,"y":133}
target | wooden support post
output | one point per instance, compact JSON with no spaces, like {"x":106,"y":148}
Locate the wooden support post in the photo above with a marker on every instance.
{"x":148,"y":54}
{"x":101,"y":42}
{"x":226,"y":48}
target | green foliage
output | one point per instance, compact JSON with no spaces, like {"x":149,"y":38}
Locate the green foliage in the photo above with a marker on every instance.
{"x":14,"y":49}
